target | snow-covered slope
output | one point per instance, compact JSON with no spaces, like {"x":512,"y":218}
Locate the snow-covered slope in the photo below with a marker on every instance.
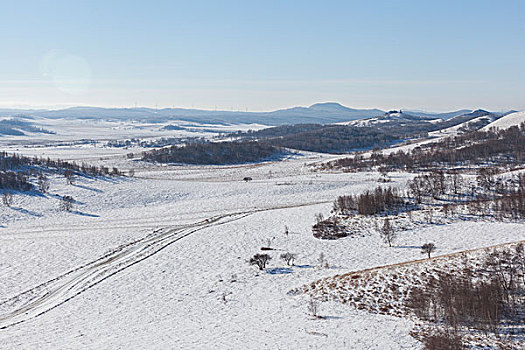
{"x":397,"y":117}
{"x":505,"y":122}
{"x":472,"y":124}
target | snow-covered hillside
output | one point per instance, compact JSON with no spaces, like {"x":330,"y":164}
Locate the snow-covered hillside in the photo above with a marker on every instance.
{"x":505,"y":122}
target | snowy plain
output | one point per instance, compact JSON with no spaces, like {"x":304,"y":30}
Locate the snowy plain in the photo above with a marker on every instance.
{"x":194,"y":228}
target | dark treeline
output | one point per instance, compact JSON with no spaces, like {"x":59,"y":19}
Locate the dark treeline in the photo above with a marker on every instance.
{"x":216,"y":153}
{"x":14,"y":181}
{"x":495,"y":147}
{"x":327,"y":138}
{"x":15,"y":170}
{"x":486,"y":296}
{"x":369,"y":202}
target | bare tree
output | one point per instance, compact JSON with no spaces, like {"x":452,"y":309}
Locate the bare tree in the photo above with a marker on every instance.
{"x":313,"y":308}
{"x":288,"y":257}
{"x":7,"y":198}
{"x":428,"y":248}
{"x":457,"y":182}
{"x":66,"y":203}
{"x":286,"y":231}
{"x":131,"y":172}
{"x":387,"y":232}
{"x":322,"y":260}
{"x":70,"y":176}
{"x":429,"y":216}
{"x":43,"y":183}
{"x":260,"y":260}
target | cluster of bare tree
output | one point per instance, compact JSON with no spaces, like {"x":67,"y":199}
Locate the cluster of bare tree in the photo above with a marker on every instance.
{"x":484,"y":296}
{"x":15,"y":171}
{"x":490,"y":196}
{"x":261,"y":260}
{"x":34,"y":165}
{"x":369,"y":203}
{"x":434,"y":185}
{"x":17,"y":181}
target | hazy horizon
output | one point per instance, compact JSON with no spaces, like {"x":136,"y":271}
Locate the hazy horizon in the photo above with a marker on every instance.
{"x":63,"y":107}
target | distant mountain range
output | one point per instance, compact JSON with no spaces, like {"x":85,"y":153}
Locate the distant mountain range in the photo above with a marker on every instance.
{"x":319,"y":113}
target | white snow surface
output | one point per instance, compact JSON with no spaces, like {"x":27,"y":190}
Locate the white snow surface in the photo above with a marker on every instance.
{"x":505,"y":122}
{"x":160,"y":261}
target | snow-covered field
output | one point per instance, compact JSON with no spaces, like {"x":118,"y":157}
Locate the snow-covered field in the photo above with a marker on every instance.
{"x":160,"y":260}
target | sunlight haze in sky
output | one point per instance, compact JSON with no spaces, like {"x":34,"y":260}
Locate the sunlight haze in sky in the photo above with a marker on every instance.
{"x":263,"y":55}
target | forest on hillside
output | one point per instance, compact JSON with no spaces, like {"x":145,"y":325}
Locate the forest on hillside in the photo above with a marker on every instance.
{"x":215,"y":153}
{"x":487,"y":148}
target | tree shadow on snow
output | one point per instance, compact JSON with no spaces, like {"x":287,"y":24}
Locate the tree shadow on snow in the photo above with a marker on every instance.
{"x":279,"y":271}
{"x":84,"y":214}
{"x":28,"y":212}
{"x":88,"y":188}
{"x":408,"y":246}
{"x":303,"y":266}
{"x":332,"y":317}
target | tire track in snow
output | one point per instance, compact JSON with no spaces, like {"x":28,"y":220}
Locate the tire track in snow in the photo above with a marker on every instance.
{"x":54,"y":293}
{"x":51,"y":294}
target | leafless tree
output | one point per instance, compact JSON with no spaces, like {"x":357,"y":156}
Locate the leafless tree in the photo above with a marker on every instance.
{"x":288,"y":258}
{"x":131,"y":172}
{"x":70,"y":176}
{"x":260,"y":260}
{"x":7,"y":198}
{"x":387,"y":232}
{"x":322,"y":260}
{"x":66,"y":203}
{"x":313,"y":308}
{"x":429,"y":216}
{"x":43,"y":183}
{"x":456,"y":182}
{"x":428,"y":248}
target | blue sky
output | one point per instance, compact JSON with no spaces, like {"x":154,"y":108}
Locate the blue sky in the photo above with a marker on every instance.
{"x":263,"y":55}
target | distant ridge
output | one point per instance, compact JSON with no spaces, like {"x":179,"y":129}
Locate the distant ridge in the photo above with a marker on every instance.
{"x":319,"y":113}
